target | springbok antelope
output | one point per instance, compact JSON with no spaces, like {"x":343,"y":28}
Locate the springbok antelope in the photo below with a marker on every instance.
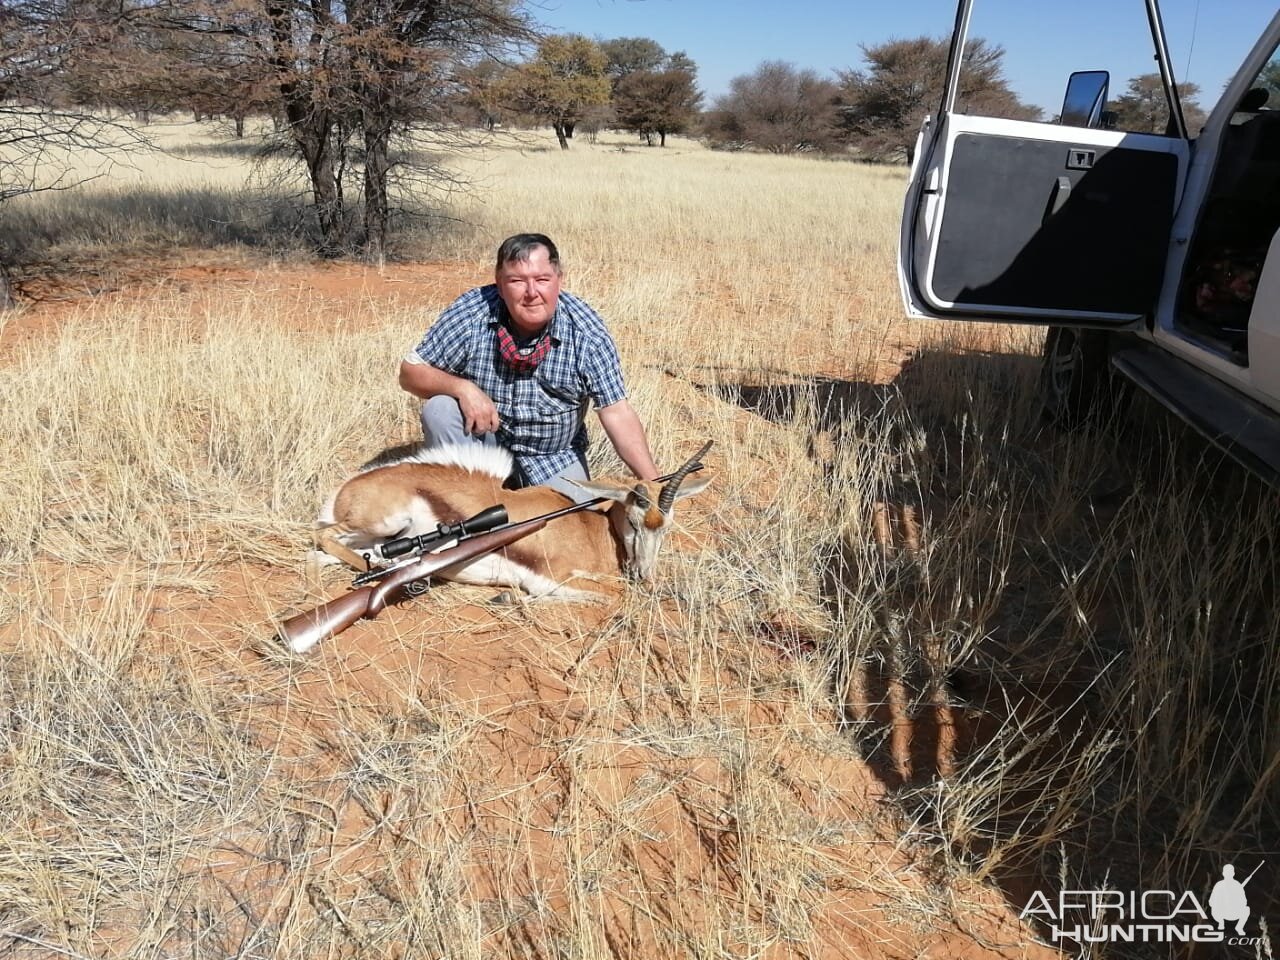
{"x":448,"y":484}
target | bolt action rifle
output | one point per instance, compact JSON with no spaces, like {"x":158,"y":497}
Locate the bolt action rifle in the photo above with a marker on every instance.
{"x":450,"y":544}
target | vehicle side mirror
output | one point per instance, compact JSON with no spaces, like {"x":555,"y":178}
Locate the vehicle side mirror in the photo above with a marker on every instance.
{"x":1086,"y":96}
{"x":1254,"y":100}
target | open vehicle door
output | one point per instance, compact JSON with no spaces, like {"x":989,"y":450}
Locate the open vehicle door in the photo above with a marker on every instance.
{"x":1050,"y":223}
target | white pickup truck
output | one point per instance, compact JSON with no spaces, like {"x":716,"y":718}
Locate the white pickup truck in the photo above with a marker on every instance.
{"x":1155,"y":257}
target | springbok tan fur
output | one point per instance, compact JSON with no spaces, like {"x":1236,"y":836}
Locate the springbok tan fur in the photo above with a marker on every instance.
{"x":448,"y":484}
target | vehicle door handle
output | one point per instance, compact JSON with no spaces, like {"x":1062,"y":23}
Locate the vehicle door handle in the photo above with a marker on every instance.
{"x":1061,"y":191}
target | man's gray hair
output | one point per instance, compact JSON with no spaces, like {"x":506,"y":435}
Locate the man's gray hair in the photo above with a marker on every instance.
{"x":517,"y":249}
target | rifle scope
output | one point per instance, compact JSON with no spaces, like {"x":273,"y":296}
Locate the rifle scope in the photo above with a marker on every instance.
{"x":483,"y":521}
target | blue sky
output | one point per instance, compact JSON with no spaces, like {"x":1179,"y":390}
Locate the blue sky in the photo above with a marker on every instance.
{"x":1044,"y":41}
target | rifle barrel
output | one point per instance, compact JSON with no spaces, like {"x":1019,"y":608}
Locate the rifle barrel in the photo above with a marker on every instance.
{"x":575,"y":507}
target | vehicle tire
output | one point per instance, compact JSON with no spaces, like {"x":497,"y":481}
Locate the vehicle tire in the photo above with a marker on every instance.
{"x":1077,"y":385}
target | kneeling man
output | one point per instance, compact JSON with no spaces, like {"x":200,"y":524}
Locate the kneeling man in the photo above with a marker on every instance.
{"x":516,"y":364}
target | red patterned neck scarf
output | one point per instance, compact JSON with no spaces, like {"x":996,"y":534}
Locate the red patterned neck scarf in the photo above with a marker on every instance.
{"x":523,"y":362}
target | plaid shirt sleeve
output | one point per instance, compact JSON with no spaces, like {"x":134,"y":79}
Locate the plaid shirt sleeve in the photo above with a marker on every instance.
{"x":447,"y":345}
{"x":599,"y":364}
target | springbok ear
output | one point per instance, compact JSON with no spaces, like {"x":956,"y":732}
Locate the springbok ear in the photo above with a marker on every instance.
{"x":611,"y":490}
{"x":690,"y":487}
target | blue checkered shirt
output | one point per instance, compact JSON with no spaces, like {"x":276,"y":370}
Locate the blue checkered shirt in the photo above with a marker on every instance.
{"x":542,"y":412}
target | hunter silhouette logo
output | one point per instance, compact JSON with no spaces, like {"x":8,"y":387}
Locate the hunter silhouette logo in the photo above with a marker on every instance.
{"x":1228,"y":901}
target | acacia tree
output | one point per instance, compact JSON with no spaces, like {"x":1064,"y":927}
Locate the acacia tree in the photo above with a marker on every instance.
{"x":404,"y":57}
{"x":778,"y":108}
{"x":651,"y":91}
{"x":1144,"y":108}
{"x":882,"y":107}
{"x":349,"y":78}
{"x":481,"y":94}
{"x":44,"y":125}
{"x":224,"y":78}
{"x":627,"y":55}
{"x":657,"y":101}
{"x":561,"y":83}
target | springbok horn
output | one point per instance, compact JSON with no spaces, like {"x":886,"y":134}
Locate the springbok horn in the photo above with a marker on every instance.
{"x":668,"y":495}
{"x":641,"y":495}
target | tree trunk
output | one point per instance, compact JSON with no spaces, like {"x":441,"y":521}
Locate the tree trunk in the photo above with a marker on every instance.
{"x":239,"y":118}
{"x":317,"y":150}
{"x":561,"y":135}
{"x":328,"y":200}
{"x":7,"y":299}
{"x":311,"y":124}
{"x":313,"y":132}
{"x":662,"y":138}
{"x":377,"y":210}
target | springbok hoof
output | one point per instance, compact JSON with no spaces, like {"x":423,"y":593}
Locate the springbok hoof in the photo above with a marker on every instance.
{"x":504,"y":599}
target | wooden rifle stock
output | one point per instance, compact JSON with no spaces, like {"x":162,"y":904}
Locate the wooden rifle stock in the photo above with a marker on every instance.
{"x":304,"y":631}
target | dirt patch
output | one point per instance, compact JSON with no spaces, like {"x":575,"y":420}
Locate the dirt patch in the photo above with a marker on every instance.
{"x":644,"y":805}
{"x":351,"y":289}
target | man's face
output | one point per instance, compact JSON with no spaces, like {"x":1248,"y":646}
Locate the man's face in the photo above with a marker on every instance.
{"x":530,"y":289}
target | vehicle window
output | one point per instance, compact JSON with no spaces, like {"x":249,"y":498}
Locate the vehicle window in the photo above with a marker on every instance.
{"x":1263,"y":94}
{"x":1022,"y":55}
{"x":1034,"y":48}
{"x":1237,"y":222}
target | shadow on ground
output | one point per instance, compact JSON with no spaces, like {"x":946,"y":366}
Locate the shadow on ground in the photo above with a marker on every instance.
{"x":63,"y":241}
{"x":193,"y":217}
{"x":1055,"y":648}
{"x":242,"y":149}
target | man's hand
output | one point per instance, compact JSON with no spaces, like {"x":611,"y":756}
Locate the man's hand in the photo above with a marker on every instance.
{"x":479,"y":413}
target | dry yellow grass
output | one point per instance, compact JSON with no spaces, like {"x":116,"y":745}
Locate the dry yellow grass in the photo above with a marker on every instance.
{"x":1069,"y":661}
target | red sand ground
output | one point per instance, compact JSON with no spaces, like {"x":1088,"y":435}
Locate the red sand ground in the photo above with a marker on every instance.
{"x":524,"y":676}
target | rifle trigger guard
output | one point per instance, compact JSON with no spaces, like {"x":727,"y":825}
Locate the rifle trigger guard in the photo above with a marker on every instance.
{"x":417,"y":588}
